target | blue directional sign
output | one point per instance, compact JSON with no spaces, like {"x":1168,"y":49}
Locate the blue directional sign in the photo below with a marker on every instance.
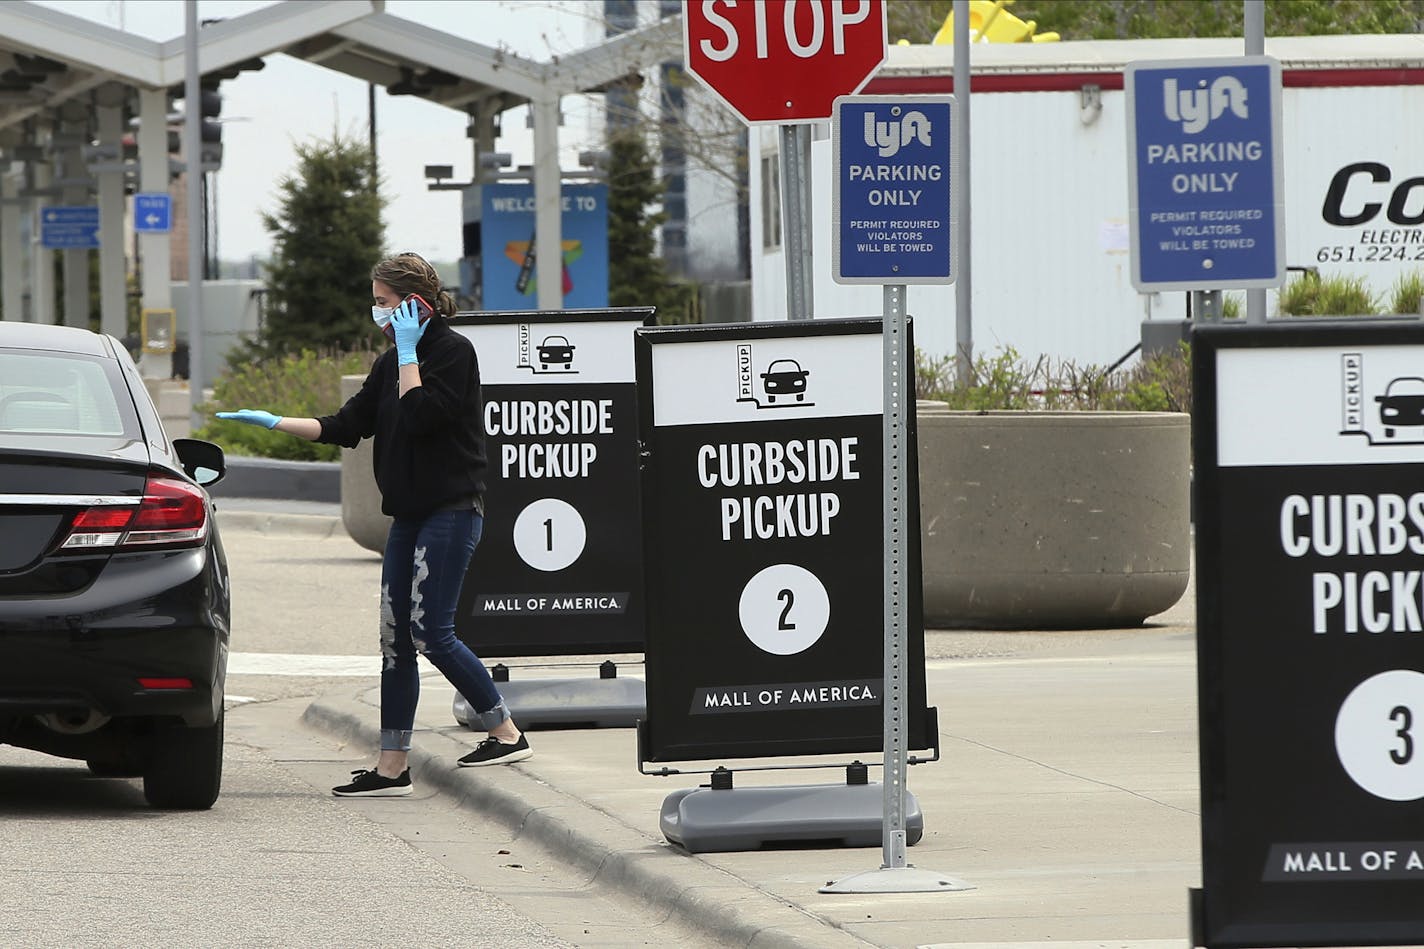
{"x":153,"y":213}
{"x":66,"y":228}
{"x":1205,"y":179}
{"x":892,"y":214}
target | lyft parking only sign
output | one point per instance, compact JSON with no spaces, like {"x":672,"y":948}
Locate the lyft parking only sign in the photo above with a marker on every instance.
{"x":1205,"y":173}
{"x":891,"y":217}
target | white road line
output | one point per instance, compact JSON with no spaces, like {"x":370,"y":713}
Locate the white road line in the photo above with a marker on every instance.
{"x":283,"y":664}
{"x":1091,"y":944}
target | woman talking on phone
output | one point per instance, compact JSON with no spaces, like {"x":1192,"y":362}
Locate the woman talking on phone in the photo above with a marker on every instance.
{"x":422,"y":405}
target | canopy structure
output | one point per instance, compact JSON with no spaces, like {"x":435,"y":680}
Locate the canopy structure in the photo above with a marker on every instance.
{"x":65,"y":82}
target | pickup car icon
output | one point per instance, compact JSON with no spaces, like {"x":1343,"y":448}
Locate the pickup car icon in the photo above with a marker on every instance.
{"x":1402,"y":404}
{"x":785,"y":377}
{"x":556,"y":349}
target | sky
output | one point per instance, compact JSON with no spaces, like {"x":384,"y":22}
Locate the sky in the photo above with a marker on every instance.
{"x":267,"y":113}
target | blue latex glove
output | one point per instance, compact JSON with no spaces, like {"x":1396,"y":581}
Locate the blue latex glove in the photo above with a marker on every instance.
{"x":406,"y":324}
{"x":252,"y":417}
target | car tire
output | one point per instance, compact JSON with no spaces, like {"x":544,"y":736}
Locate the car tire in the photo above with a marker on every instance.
{"x":184,"y":770}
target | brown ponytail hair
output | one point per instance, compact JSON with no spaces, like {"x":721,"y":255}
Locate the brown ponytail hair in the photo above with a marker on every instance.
{"x":408,"y":273}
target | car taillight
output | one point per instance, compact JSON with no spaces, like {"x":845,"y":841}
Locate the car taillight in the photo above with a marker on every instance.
{"x":171,"y":513}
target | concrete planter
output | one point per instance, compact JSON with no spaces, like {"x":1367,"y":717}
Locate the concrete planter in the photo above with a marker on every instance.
{"x":360,"y":498}
{"x":1043,"y":520}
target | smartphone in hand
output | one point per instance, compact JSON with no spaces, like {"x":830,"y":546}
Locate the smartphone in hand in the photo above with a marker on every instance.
{"x":423,"y":311}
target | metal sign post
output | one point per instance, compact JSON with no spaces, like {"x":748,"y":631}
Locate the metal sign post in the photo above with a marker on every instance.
{"x":893,"y":223}
{"x":795,"y":163}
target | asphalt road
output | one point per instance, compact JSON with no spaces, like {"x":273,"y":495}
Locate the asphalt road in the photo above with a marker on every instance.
{"x":279,"y":861}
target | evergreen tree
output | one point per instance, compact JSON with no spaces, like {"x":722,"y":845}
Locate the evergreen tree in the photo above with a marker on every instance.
{"x":327,"y":233}
{"x":637,"y":276}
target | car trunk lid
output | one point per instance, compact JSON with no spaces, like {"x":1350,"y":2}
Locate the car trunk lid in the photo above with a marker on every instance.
{"x":40,"y":496}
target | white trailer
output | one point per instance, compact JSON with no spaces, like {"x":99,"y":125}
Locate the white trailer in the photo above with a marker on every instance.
{"x":1049,"y":187}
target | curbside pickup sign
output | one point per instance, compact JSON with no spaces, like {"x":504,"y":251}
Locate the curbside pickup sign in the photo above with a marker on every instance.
{"x":1205,"y":173}
{"x":1309,"y":448}
{"x":559,"y":568}
{"x":763,"y":537}
{"x":891,"y":217}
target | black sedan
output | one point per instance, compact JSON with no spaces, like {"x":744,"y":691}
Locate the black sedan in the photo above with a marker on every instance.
{"x":114,"y":598}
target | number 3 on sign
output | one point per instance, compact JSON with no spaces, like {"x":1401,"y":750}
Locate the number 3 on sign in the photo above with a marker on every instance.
{"x":1375,"y":735}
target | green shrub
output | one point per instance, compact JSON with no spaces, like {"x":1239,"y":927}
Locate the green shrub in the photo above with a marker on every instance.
{"x":1407,"y":293}
{"x":1004,"y":380}
{"x":1339,"y":295}
{"x":1233,"y":306}
{"x":1158,"y":383}
{"x":302,"y":385}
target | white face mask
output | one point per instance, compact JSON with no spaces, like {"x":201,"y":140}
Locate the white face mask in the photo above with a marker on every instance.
{"x":381,"y":315}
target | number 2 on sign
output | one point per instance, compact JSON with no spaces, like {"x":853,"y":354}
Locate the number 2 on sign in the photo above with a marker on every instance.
{"x":787,"y":597}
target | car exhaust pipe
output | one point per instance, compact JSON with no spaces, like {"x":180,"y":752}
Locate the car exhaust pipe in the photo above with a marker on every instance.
{"x":77,"y":721}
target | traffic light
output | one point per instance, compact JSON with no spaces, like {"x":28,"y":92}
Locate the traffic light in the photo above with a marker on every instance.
{"x":210,"y":127}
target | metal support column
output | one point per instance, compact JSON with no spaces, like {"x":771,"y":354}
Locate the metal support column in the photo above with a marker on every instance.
{"x":548,"y":204}
{"x":12,"y":260}
{"x":1254,"y":15}
{"x":113,"y":297}
{"x":41,"y":260}
{"x":156,"y":288}
{"x":74,"y":190}
{"x":795,"y":159}
{"x":963,"y":299}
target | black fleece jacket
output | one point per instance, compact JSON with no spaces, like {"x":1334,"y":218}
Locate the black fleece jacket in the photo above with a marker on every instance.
{"x":430,"y":443}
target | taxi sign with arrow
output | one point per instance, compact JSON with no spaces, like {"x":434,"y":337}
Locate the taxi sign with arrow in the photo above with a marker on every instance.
{"x":153,"y":213}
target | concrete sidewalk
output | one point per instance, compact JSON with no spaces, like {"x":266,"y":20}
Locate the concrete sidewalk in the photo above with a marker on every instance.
{"x":1067,"y":797}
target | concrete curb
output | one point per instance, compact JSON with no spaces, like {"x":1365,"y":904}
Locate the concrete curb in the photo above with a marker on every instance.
{"x":587,"y":837}
{"x":249,"y":477}
{"x":308,"y":525}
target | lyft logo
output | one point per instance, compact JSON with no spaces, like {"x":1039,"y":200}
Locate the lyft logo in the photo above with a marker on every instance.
{"x":889,"y":136}
{"x":1194,"y":108}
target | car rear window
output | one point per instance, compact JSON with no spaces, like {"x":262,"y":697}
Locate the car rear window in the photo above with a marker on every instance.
{"x":63,"y":394}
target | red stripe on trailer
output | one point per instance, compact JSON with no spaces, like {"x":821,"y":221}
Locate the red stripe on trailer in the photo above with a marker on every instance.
{"x":1073,"y":81}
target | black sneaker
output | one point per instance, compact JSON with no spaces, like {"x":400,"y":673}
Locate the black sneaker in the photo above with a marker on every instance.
{"x":374,"y":784}
{"x":494,"y":751}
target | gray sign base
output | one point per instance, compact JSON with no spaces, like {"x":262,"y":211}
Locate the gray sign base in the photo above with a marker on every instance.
{"x":547,"y":703}
{"x":896,"y":880}
{"x":711,"y":820}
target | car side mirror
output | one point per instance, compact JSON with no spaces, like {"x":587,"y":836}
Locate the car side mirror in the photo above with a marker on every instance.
{"x":203,"y":461}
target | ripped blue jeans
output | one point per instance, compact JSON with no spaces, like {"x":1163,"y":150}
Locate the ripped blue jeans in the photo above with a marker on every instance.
{"x":425,"y":563}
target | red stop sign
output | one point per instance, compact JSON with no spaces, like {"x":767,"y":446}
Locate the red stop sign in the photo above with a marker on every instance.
{"x":783,"y":61}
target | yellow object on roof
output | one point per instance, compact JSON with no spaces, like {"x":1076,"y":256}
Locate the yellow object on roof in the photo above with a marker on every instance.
{"x":989,"y":22}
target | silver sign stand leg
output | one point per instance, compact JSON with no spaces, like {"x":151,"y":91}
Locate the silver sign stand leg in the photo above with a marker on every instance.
{"x":895,"y":874}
